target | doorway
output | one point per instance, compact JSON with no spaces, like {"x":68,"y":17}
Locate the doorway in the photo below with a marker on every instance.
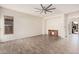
{"x":74,"y":27}
{"x":75,"y":30}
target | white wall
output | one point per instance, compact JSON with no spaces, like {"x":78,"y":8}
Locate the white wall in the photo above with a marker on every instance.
{"x":60,"y":22}
{"x":24,"y":25}
{"x":56,"y":23}
{"x":74,"y":16}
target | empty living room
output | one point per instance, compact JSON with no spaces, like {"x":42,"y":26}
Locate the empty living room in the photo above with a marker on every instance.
{"x":39,"y":28}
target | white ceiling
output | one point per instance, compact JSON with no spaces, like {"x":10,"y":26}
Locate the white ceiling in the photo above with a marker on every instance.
{"x":29,"y":8}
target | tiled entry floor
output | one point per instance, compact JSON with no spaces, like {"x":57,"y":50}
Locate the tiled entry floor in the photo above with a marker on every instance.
{"x":41,"y":44}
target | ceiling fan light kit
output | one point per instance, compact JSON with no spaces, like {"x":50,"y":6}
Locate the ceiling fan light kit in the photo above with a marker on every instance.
{"x":45,"y":9}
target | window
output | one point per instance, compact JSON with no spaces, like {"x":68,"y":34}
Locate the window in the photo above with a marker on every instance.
{"x":8,"y":22}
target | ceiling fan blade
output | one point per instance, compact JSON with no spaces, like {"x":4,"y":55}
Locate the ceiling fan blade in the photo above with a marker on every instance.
{"x":42,"y":6}
{"x":49,"y":6}
{"x":51,"y":9}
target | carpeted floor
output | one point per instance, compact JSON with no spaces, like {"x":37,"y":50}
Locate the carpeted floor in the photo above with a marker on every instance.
{"x":41,"y":44}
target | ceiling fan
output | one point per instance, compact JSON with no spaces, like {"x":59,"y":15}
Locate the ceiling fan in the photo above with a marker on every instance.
{"x":44,"y":9}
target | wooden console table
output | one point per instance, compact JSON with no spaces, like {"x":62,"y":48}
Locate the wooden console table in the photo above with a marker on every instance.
{"x":53,"y":32}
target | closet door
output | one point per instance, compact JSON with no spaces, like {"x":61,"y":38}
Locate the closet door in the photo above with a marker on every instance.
{"x":8,"y":24}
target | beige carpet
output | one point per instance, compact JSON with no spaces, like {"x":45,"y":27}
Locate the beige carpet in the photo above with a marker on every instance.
{"x":41,"y":44}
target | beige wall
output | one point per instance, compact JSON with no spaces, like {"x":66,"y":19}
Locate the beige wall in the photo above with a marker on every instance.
{"x":24,"y":25}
